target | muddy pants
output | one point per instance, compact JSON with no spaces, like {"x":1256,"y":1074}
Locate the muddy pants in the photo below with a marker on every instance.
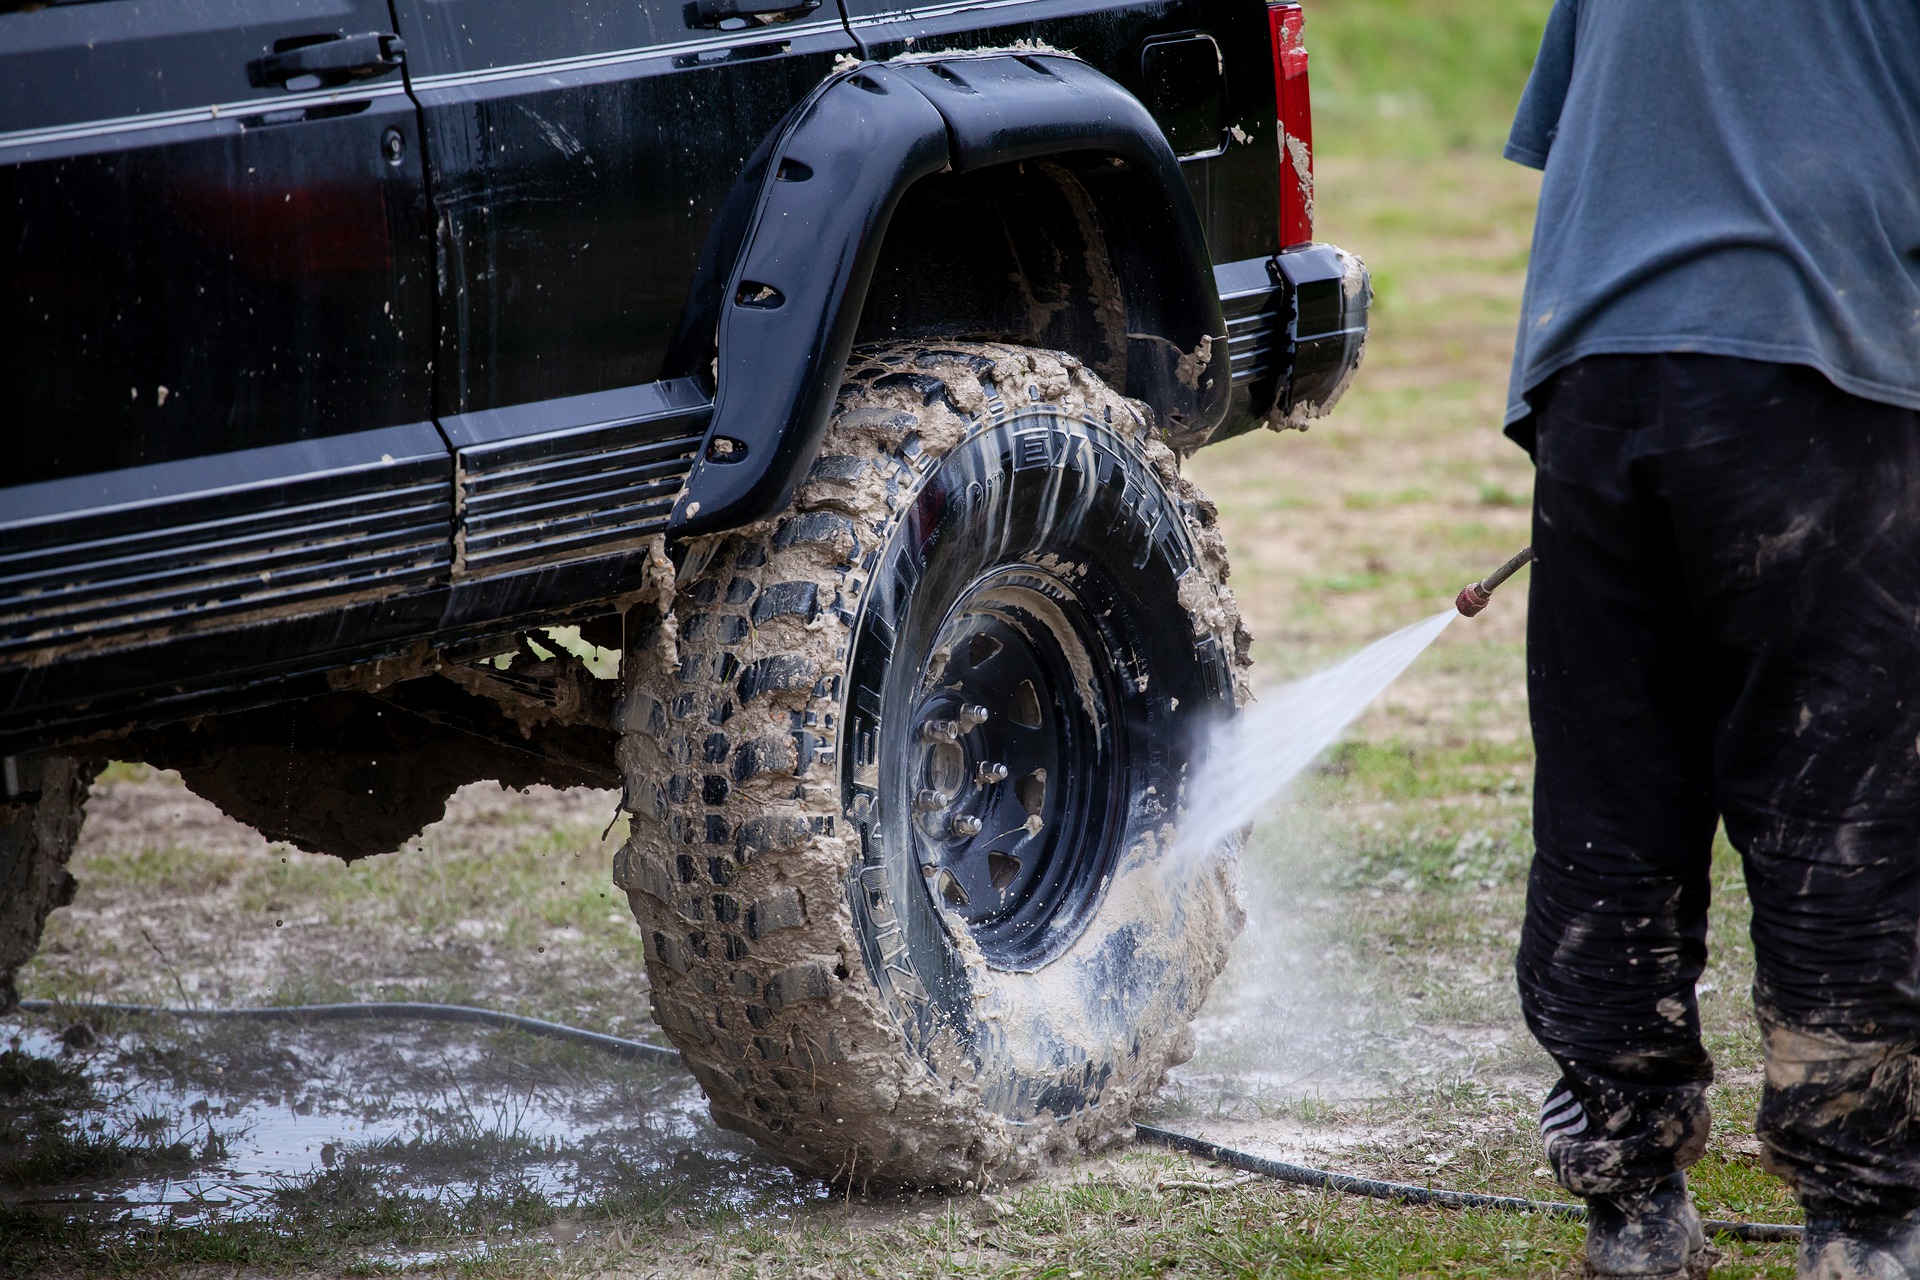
{"x":1725,"y":625}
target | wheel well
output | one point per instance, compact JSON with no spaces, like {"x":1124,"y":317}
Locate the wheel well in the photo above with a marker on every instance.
{"x":1011,"y":253}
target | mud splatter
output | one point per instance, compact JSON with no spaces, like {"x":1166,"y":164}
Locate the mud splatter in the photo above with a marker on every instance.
{"x":1302,"y":161}
{"x":1358,"y":291}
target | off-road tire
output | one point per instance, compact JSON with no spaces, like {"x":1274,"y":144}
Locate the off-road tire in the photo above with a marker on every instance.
{"x":827,"y":1001}
{"x":36,"y":839}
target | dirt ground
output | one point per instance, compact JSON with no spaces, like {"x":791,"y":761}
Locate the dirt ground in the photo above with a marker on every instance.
{"x":1368,"y":1020}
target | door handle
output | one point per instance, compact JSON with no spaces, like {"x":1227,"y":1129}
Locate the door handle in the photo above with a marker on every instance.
{"x":711,"y":13}
{"x":333,"y":59}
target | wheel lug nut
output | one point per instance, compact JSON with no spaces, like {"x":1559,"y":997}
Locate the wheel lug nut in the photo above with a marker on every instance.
{"x":989,"y":772}
{"x":940,"y":731}
{"x":926,"y":800}
{"x":970,"y":715}
{"x":965,"y":825}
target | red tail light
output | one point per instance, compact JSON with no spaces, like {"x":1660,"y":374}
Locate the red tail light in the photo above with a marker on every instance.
{"x":1288,"y":24}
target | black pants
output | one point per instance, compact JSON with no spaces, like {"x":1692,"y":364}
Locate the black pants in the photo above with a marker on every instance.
{"x":1725,"y":624}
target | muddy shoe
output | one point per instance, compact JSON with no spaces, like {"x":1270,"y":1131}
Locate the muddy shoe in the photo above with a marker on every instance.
{"x":1647,"y":1235}
{"x":1860,"y":1248}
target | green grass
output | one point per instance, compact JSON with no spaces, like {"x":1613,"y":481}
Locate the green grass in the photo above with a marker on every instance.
{"x":1417,"y":76}
{"x":27,"y":1077}
{"x":1121,"y":1221}
{"x":1390,"y":770}
{"x":82,"y":1152}
{"x":51,"y":1132}
{"x":343,"y":1221}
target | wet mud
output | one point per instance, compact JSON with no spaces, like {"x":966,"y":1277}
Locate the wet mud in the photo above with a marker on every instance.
{"x":157,"y":1122}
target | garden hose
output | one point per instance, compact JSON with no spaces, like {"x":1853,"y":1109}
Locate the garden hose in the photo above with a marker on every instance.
{"x":1407,"y":1193}
{"x":638,"y":1050}
{"x":406,"y":1010}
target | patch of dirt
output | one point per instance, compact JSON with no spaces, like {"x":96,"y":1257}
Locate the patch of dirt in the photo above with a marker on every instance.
{"x":495,"y":904}
{"x":154,"y":809}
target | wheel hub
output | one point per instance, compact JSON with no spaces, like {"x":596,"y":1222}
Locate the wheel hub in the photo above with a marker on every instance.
{"x":1010,"y":764}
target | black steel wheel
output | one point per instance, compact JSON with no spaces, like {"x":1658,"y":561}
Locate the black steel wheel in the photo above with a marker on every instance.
{"x":902,"y":766}
{"x":1002,"y":774}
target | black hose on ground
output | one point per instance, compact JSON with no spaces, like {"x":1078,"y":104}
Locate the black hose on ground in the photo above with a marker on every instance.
{"x":1406,"y":1193}
{"x":408,"y":1010}
{"x":1307,"y":1176}
{"x":638,"y":1050}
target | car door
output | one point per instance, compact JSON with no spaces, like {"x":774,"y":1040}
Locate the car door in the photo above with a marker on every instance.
{"x":217,"y":318}
{"x":577,"y":162}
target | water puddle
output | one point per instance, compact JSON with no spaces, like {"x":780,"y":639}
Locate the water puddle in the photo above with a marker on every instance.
{"x":161,"y":1122}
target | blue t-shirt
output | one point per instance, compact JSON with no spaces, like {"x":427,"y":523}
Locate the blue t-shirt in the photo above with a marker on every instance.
{"x":1736,"y":177}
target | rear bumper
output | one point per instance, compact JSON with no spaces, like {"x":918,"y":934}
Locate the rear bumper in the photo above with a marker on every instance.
{"x":1296,"y":329}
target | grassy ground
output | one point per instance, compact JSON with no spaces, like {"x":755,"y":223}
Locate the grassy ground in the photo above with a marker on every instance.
{"x":1420,"y":77}
{"x":1368,"y":1021}
{"x":506,"y":901}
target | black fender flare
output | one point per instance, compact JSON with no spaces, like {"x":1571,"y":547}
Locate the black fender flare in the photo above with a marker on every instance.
{"x":823,"y":195}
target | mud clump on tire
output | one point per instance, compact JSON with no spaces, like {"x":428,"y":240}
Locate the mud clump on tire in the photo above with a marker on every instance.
{"x":36,"y":839}
{"x":828,"y":1003}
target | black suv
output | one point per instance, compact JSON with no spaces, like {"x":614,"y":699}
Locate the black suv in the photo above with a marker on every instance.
{"x":768,"y":408}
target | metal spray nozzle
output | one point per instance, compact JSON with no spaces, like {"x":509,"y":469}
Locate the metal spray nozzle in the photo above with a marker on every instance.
{"x":1476,"y":596}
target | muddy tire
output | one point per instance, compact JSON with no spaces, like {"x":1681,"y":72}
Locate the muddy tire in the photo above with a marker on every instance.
{"x":36,"y":838}
{"x":902,"y":765}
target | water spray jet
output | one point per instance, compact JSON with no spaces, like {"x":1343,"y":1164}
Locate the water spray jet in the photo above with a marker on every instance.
{"x":1476,"y":596}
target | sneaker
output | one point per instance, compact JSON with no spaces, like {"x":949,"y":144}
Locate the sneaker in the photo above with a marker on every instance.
{"x":1860,"y":1247}
{"x":1648,"y":1235}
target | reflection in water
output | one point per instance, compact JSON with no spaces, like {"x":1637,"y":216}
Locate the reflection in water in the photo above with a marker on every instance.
{"x":191,"y":1124}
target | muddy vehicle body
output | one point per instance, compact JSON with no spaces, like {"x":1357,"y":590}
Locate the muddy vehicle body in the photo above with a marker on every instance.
{"x":773,"y":412}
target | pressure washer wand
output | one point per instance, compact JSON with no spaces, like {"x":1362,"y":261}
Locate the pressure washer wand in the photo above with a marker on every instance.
{"x":1476,"y":596}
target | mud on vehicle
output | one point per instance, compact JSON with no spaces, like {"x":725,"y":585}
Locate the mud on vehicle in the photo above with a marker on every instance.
{"x":377,"y":394}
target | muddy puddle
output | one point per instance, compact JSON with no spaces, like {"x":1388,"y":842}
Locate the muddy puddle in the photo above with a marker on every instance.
{"x":159,"y":1122}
